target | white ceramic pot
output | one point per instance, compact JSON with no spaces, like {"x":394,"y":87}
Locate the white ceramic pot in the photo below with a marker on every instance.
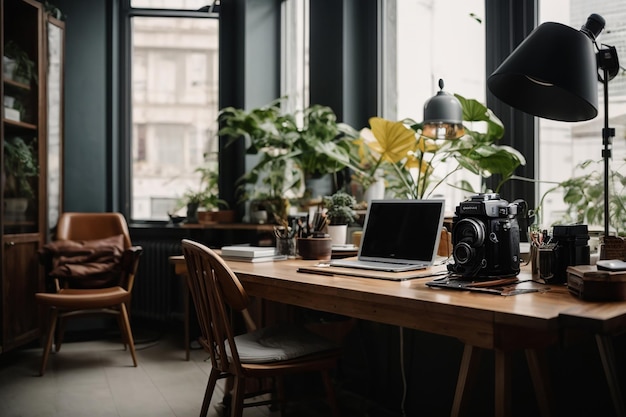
{"x":337,"y":233}
{"x":376,"y":191}
{"x":15,"y":205}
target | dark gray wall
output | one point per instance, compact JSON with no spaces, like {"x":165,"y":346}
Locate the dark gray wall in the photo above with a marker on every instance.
{"x":87,"y":130}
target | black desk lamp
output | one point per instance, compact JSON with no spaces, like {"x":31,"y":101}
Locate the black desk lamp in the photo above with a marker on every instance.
{"x":443,"y":116}
{"x":553,"y":74}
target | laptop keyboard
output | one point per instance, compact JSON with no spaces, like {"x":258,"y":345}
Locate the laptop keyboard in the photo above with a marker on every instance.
{"x":376,"y":265}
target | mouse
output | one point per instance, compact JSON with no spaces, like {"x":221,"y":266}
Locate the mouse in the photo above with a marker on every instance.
{"x":611,"y":265}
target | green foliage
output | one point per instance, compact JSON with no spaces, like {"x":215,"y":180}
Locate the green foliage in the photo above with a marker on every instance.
{"x":476,"y":152}
{"x":207,"y":194}
{"x":340,"y":208}
{"x":25,"y":69}
{"x":20,"y":166}
{"x":288,"y":153}
{"x":584,"y":196}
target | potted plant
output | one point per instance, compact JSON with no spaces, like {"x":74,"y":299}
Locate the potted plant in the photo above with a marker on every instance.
{"x":20,"y":167}
{"x":409,"y":159}
{"x":24,"y":68}
{"x":288,"y":153}
{"x":205,"y":198}
{"x":340,"y":213}
{"x":584,"y":196}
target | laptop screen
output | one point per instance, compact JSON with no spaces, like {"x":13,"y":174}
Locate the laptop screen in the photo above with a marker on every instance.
{"x":402,"y":230}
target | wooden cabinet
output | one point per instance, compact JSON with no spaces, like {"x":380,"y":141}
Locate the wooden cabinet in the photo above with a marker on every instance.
{"x":27,"y":161}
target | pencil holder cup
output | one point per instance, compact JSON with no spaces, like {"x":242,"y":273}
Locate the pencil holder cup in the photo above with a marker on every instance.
{"x":315,"y":248}
{"x":286,"y":246}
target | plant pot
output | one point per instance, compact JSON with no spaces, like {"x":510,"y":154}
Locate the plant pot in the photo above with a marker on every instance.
{"x":205,"y":217}
{"x":376,"y":191}
{"x":338,"y":233}
{"x":315,"y":248}
{"x":258,"y":216}
{"x":8,"y":67}
{"x":192,"y":213}
{"x":318,"y":187}
{"x":224,"y":216}
{"x":15,"y":206}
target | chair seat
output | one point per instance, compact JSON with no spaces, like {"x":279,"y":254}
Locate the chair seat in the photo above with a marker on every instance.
{"x":69,"y":298}
{"x":279,"y":343}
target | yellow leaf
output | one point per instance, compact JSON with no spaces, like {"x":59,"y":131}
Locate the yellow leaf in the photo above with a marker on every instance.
{"x":393,"y":139}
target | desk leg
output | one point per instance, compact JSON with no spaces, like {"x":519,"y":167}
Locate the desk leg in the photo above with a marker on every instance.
{"x":607,"y":355}
{"x":503,"y":383}
{"x":469,"y":364}
{"x":186,"y":320}
{"x":538,"y":368}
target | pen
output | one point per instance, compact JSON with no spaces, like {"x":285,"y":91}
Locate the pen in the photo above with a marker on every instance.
{"x":315,"y":272}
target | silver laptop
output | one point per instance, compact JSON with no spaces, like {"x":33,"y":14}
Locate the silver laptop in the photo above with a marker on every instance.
{"x":398,"y":235}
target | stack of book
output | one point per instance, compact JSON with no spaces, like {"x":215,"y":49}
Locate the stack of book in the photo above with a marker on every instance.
{"x":246,"y":253}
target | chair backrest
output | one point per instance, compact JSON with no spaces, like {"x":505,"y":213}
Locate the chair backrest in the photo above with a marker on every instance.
{"x":77,"y":226}
{"x":91,"y":226}
{"x":214,"y":289}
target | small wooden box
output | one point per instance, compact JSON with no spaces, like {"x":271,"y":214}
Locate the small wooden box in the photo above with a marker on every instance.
{"x":587,"y":283}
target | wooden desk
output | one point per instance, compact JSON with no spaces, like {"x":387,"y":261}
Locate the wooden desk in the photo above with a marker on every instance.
{"x":527,"y":321}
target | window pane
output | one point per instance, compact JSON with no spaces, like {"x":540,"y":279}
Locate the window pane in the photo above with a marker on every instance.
{"x":562,"y":145}
{"x":174,"y":109}
{"x":170,"y":4}
{"x":295,"y":54}
{"x":423,"y":42}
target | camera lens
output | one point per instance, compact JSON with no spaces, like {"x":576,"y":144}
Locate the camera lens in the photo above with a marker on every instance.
{"x":471,"y":231}
{"x":463,"y":253}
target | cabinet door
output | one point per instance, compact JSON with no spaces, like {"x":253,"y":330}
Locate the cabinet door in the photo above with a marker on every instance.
{"x":22,"y":279}
{"x":23,"y":130}
{"x":24,"y":167}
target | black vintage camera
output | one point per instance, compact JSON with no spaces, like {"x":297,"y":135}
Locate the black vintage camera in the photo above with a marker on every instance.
{"x":486,"y":236}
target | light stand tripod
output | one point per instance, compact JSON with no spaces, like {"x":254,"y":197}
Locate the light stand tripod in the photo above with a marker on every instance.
{"x":609,"y":64}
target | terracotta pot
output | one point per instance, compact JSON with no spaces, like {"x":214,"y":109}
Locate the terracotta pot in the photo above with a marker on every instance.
{"x":315,"y":248}
{"x":224,"y":216}
{"x":205,"y":217}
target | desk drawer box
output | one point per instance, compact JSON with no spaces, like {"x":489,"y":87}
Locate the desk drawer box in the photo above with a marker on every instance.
{"x":587,"y":283}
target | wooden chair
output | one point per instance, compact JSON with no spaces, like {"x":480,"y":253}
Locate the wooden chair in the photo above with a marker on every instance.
{"x":93,"y":265}
{"x":261,"y":353}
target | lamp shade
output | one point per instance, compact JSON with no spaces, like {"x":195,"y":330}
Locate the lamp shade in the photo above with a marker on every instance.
{"x":443,"y":116}
{"x":551,"y":74}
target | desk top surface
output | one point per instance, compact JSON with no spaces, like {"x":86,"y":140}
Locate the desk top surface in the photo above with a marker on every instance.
{"x":484,"y":320}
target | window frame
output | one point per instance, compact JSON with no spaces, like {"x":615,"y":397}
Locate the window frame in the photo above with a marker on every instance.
{"x":498,"y":15}
{"x":126,"y":14}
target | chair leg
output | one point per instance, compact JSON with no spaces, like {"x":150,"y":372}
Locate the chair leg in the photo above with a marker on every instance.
{"x":330,"y":393}
{"x":128,"y":335}
{"x":120,"y":324}
{"x":208,"y":393}
{"x":48,"y":342}
{"x":281,"y":397}
{"x":238,"y":396}
{"x":58,"y":341}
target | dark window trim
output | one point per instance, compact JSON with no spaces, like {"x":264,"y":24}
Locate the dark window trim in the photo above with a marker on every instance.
{"x":508,"y":23}
{"x":124,"y":167}
{"x":504,"y":30}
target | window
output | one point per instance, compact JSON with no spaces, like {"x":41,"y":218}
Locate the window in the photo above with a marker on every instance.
{"x":295,"y":53}
{"x":562,"y":145}
{"x":426,"y":41}
{"x":174,"y":101}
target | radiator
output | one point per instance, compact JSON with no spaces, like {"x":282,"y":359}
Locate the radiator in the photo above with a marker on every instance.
{"x":157,"y":289}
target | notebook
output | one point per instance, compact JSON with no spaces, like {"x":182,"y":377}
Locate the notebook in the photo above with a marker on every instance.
{"x":398,"y":235}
